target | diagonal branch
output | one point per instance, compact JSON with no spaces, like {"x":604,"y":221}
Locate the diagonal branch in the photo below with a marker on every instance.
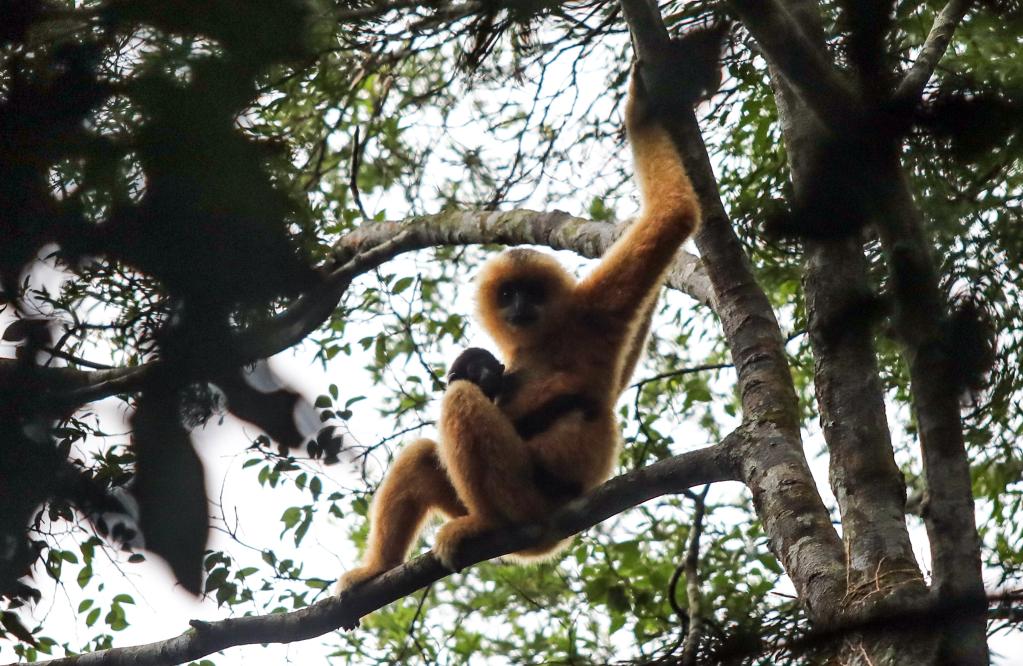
{"x":708,"y":465}
{"x":912,"y":86}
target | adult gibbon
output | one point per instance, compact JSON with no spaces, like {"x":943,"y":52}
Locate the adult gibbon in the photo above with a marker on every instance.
{"x":517,"y":444}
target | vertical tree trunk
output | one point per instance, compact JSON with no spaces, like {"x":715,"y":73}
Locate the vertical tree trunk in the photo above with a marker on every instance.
{"x":867,"y":484}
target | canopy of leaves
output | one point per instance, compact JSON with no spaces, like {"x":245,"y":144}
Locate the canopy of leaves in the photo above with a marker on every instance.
{"x":186,"y":169}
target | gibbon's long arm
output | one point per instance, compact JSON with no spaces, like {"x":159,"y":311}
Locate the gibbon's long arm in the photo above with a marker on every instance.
{"x":636,"y":263}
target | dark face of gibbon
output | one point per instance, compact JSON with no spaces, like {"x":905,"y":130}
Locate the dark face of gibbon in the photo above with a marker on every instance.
{"x":521,"y":302}
{"x":521,"y":294}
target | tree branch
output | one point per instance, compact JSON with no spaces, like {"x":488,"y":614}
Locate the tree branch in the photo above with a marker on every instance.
{"x":649,"y":36}
{"x":866,"y":481}
{"x":921,"y":325}
{"x":911,"y":87}
{"x":557,"y":230}
{"x":804,"y":64}
{"x":861,"y":458}
{"x":773,"y":467}
{"x":708,"y":465}
{"x":693,"y":595}
{"x":362,"y":250}
{"x":680,"y":372}
{"x":379,"y":9}
{"x":71,"y":386}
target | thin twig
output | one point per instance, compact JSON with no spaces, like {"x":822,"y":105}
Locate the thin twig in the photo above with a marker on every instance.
{"x":85,"y":363}
{"x":411,"y":631}
{"x":682,"y":371}
{"x":353,"y":177}
{"x":691,"y":566}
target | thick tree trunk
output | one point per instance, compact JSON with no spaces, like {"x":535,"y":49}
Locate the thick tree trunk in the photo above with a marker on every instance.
{"x":882,"y":572}
{"x":949,"y":512}
{"x":773,"y":464}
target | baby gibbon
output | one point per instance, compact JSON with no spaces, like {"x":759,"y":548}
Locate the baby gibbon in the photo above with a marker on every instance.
{"x":515,"y":445}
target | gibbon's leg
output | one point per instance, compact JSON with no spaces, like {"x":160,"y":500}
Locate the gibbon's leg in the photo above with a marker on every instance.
{"x":415,"y":485}
{"x":490,"y":466}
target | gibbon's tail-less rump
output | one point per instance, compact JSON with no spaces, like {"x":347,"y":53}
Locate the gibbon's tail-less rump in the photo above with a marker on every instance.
{"x":548,"y":434}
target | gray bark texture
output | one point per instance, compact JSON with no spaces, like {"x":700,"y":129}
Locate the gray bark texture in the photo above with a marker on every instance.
{"x":882,"y":571}
{"x":773,"y":464}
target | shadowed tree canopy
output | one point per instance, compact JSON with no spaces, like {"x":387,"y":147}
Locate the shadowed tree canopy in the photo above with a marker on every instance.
{"x":821,"y":453}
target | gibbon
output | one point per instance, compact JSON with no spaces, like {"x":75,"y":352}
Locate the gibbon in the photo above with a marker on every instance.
{"x":515,"y":445}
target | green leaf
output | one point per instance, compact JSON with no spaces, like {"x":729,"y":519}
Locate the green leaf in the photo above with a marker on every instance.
{"x":84,"y":576}
{"x":401,"y":285}
{"x":291,"y":516}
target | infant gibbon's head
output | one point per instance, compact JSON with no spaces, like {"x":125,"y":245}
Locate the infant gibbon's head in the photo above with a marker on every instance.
{"x":521,"y":295}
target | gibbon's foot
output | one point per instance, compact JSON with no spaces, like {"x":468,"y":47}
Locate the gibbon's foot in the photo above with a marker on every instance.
{"x":351,"y":579}
{"x":354,"y":577}
{"x":450,"y":536}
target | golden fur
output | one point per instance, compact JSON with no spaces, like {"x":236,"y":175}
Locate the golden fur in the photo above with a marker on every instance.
{"x":482,"y":474}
